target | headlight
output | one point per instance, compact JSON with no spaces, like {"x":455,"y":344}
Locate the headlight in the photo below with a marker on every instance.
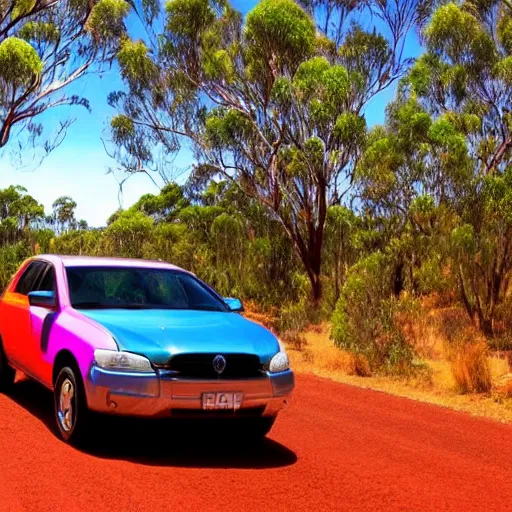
{"x":279,"y":363}
{"x":113,"y":360}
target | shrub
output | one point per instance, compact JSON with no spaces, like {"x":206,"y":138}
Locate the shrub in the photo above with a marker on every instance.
{"x":295,"y":339}
{"x":507,"y":388}
{"x":470,"y":367}
{"x":359,"y":365}
{"x":296,"y":316}
{"x":364,"y":319}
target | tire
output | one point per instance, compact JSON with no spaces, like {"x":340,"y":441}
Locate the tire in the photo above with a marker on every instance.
{"x":7,"y":374}
{"x":71,"y":413}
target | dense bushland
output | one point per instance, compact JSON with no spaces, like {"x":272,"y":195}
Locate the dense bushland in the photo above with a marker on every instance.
{"x":294,"y":202}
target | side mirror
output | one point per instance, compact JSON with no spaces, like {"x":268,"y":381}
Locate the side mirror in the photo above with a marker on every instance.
{"x":42,"y":299}
{"x":234,"y":305}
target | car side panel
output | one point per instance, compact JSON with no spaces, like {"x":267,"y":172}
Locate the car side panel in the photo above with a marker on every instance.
{"x":13,"y":307}
{"x":74,"y":332}
{"x":15,"y":328}
{"x":42,"y":323}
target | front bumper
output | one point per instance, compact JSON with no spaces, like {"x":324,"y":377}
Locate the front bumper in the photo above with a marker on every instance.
{"x":162,"y":395}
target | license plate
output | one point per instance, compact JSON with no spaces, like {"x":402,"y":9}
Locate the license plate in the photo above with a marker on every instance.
{"x":222,"y":401}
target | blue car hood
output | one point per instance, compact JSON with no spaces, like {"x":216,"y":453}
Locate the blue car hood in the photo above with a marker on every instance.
{"x":161,"y":334}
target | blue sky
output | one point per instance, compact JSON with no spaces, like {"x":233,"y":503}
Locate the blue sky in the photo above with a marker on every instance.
{"x":78,"y":168}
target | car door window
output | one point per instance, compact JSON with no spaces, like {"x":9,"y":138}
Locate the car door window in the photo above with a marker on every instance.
{"x":47,"y":282}
{"x":30,"y":277}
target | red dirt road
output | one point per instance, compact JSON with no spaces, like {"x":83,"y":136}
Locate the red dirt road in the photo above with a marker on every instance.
{"x":336,"y":448}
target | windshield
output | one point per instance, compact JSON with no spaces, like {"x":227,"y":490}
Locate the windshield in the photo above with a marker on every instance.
{"x":138,"y":288}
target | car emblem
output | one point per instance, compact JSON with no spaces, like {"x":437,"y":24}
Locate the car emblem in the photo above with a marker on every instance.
{"x":219,"y":364}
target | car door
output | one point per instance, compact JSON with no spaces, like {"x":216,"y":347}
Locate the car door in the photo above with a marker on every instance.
{"x":41,"y":322}
{"x":16,"y":325}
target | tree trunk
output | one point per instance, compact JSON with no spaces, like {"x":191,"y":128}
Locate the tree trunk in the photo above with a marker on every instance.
{"x":309,"y":244}
{"x":398,"y":279}
{"x":311,"y":260}
{"x":487,"y":327}
{"x":470,"y":310}
{"x":316,"y":287}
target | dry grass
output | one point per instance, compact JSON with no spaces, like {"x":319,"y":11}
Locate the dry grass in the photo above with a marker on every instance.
{"x":254,"y":313}
{"x":507,"y":389}
{"x":470,"y":368}
{"x":432,"y":331}
{"x":436,"y":385}
{"x":318,"y":351}
{"x":433,"y":334}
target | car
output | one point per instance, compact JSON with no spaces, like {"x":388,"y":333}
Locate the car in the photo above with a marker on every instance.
{"x":138,"y":338}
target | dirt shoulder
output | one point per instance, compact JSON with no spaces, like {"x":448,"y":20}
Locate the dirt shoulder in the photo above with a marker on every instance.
{"x":318,"y":356}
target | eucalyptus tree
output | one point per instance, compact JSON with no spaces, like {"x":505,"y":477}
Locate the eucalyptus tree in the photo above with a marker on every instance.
{"x":164,"y":207}
{"x":270,"y":101}
{"x":45,"y":46}
{"x":444,"y":161}
{"x":410,"y":180}
{"x":63,"y":216}
{"x":18,"y":210}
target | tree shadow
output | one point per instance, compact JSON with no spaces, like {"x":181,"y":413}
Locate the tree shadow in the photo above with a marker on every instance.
{"x":188,"y":444}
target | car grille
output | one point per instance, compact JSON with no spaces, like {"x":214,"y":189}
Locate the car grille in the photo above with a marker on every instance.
{"x":200,"y":366}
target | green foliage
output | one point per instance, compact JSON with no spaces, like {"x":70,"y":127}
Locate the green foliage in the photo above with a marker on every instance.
{"x":39,"y":31}
{"x":164,"y":206}
{"x":122,"y":128}
{"x":226,"y":128}
{"x":309,"y":76}
{"x":22,"y":7}
{"x":282,"y":92}
{"x":463,"y":239}
{"x":420,"y":76}
{"x":272,"y":101}
{"x":128,"y":233}
{"x":187,"y":19}
{"x":230,"y":243}
{"x":504,"y":30}
{"x":106,"y":21}
{"x":11,"y":257}
{"x":137,"y":68}
{"x":364,"y":52}
{"x":295,"y":317}
{"x":19,"y":61}
{"x":503,"y":69}
{"x":429,"y":277}
{"x":461,"y":80}
{"x":452,"y":30}
{"x":351,"y":129}
{"x":219,"y":66}
{"x":46,"y":46}
{"x":279,"y":29}
{"x":363,"y":321}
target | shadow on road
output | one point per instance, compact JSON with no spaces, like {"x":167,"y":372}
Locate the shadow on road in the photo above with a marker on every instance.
{"x":199,"y":444}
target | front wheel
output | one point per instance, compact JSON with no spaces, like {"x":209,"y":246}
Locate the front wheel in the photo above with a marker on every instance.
{"x":71,"y":413}
{"x":7,"y":374}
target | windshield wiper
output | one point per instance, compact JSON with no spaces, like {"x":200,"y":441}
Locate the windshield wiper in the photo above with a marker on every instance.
{"x":206,"y":308}
{"x":89,"y":305}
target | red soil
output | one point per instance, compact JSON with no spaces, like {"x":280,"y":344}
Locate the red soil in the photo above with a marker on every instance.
{"x":336,"y":448}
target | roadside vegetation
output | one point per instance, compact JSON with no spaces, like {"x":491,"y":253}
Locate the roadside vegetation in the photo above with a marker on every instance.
{"x":393,"y":240}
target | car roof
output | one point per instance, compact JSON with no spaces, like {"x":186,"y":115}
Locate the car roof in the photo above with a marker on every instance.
{"x":90,"y":261}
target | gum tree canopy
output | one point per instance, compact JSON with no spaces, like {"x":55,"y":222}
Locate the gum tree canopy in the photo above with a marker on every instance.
{"x":443,"y":164}
{"x":45,"y":45}
{"x":274,"y":102}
